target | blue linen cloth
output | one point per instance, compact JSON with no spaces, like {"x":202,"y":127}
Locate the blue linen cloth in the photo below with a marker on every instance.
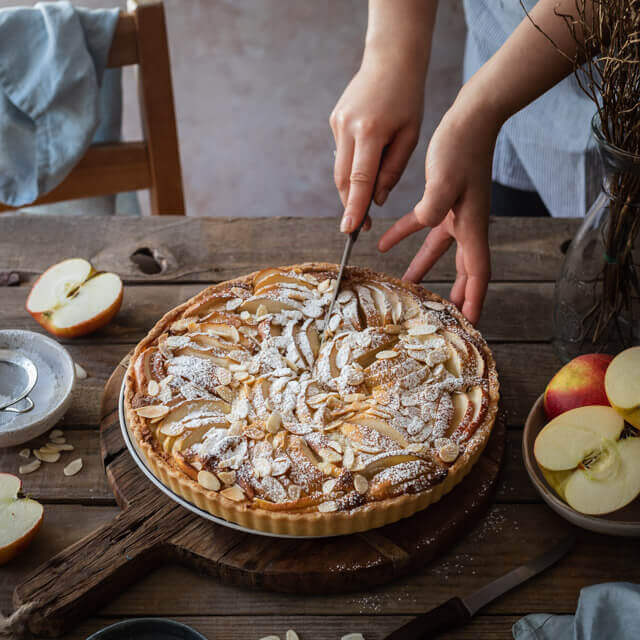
{"x":605,"y":611}
{"x":52,"y":62}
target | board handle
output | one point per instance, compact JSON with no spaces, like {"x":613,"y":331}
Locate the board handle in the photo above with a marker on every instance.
{"x":89,"y":573}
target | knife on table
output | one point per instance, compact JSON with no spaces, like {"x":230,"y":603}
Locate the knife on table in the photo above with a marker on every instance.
{"x":348,"y":246}
{"x":459,"y":611}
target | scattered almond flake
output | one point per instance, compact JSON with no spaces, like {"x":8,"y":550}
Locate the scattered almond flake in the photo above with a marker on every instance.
{"x":254,"y":433}
{"x":329,"y":455}
{"x":262,"y":467}
{"x":232,"y":305}
{"x":336,"y":446}
{"x":227,"y":477}
{"x":48,"y":448}
{"x":329,"y":485}
{"x":58,"y":440}
{"x":323,"y":287}
{"x":24,"y":453}
{"x":225,"y":393}
{"x":342,"y":356}
{"x":348,"y":459}
{"x":81,"y":374}
{"x":236,"y":427}
{"x":416,"y":447}
{"x":353,"y":636}
{"x":436,"y":306}
{"x":386,"y":355}
{"x":261,"y":311}
{"x":197,"y":465}
{"x":363,"y":339}
{"x":224,"y":377}
{"x":208,"y":480}
{"x":271,"y":637}
{"x":274,"y":422}
{"x":30,"y":467}
{"x":291,"y":635}
{"x":334,"y":322}
{"x":153,"y":411}
{"x":280,"y":466}
{"x":326,"y":507}
{"x":449,"y":452}
{"x":422,"y":329}
{"x":294,"y":491}
{"x":53,"y":456}
{"x":73,"y":467}
{"x":52,"y":446}
{"x":392,"y":329}
{"x":360,"y":483}
{"x":238,"y":367}
{"x":56,"y":433}
{"x":334,"y":424}
{"x":153,"y":388}
{"x":183,"y":324}
{"x":245,"y":315}
{"x":234,"y":493}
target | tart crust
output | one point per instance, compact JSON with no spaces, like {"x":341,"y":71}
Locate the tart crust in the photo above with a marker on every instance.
{"x":370,"y":515}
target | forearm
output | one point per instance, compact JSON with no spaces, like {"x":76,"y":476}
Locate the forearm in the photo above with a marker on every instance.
{"x":527,"y":65}
{"x":400,"y":30}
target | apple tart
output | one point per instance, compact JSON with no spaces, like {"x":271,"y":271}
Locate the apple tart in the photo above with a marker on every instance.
{"x":241,"y":408}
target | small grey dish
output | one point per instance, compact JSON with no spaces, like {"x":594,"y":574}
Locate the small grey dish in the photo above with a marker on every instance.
{"x":50,"y":394}
{"x":147,"y":629}
{"x":624,"y":522}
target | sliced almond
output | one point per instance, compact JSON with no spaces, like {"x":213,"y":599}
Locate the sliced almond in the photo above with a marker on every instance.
{"x":354,"y":397}
{"x":291,"y":635}
{"x":422,"y":330}
{"x":436,"y":306}
{"x":73,"y":467}
{"x":262,"y":467}
{"x":326,"y":507}
{"x":60,"y":440}
{"x":353,"y":636}
{"x":324,"y":286}
{"x":360,"y":483}
{"x":81,"y":374}
{"x":56,"y":433}
{"x":329,"y":455}
{"x":234,"y":493}
{"x":392,"y":329}
{"x":153,"y":411}
{"x":386,"y":355}
{"x":449,"y":452}
{"x":208,"y":480}
{"x":328,"y":486}
{"x":30,"y":467}
{"x":271,"y":637}
{"x":47,"y":457}
{"x":53,"y":447}
{"x":254,"y":433}
{"x":25,"y":453}
{"x":225,"y":392}
{"x":274,"y":423}
{"x":261,"y":311}
{"x":294,"y":491}
{"x":153,"y":388}
{"x":348,"y":458}
{"x":227,"y":477}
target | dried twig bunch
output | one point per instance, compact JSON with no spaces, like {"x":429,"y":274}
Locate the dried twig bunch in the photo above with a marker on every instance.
{"x":607,"y":68}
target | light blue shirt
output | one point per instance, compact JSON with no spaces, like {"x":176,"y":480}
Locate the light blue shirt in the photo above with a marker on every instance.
{"x":547,"y":146}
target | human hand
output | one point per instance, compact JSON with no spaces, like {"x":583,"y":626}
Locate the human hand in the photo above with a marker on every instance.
{"x":376,"y":124}
{"x":455,"y":204}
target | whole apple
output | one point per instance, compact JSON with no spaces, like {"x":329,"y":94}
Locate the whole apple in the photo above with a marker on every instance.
{"x":579,"y":383}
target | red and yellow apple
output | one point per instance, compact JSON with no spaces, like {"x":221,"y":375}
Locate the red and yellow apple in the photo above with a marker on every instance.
{"x":579,"y":383}
{"x":20,"y":518}
{"x":622,"y":385}
{"x":71,"y":299}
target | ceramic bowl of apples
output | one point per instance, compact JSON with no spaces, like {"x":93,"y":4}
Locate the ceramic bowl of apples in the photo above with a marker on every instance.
{"x":581,"y":443}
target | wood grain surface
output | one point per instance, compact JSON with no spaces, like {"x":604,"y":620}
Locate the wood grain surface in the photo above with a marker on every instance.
{"x":517,"y":321}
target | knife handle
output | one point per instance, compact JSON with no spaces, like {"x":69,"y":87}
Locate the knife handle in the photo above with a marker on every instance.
{"x":448,"y":615}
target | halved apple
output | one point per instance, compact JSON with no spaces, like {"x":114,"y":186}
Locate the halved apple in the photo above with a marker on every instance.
{"x":70,"y":299}
{"x":20,"y":518}
{"x":571,"y":437}
{"x":622,"y":385}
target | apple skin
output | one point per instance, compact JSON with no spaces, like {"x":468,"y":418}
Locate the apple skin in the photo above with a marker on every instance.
{"x":82,"y":329}
{"x":17,"y":546}
{"x":579,"y":383}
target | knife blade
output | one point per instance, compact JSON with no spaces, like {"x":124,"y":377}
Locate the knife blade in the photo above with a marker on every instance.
{"x":458,"y":611}
{"x":346,"y":254}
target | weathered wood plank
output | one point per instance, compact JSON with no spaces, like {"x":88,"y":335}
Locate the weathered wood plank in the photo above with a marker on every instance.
{"x":507,"y":537}
{"x":213,"y":249}
{"x":518,"y":312}
{"x":90,"y":486}
{"x":49,"y":484}
{"x":524,"y":371}
{"x":311,"y":627}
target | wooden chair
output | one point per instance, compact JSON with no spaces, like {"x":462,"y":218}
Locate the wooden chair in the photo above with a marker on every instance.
{"x":153,"y":163}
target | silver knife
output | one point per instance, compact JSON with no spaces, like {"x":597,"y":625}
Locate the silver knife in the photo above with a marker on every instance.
{"x":458,"y":611}
{"x":351,"y":240}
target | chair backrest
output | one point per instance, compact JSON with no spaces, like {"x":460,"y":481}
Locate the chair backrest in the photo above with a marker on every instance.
{"x":153,"y":163}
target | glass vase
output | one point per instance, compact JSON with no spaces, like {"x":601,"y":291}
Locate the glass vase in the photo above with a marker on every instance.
{"x":597,"y":296}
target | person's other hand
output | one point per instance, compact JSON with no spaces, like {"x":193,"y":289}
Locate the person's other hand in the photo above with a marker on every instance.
{"x":376,"y":124}
{"x":455,"y":205}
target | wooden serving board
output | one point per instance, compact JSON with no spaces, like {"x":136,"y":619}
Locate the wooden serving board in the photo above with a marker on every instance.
{"x":152,"y":530}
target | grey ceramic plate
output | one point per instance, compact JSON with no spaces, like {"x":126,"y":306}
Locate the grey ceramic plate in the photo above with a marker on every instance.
{"x":147,"y":629}
{"x":139,"y":459}
{"x":624,"y":522}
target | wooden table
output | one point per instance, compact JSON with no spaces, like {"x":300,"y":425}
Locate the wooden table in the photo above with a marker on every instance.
{"x":527,"y":254}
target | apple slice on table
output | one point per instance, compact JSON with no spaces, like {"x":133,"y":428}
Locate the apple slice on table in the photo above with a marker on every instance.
{"x":70,"y":299}
{"x":622,"y":384}
{"x":20,"y":518}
